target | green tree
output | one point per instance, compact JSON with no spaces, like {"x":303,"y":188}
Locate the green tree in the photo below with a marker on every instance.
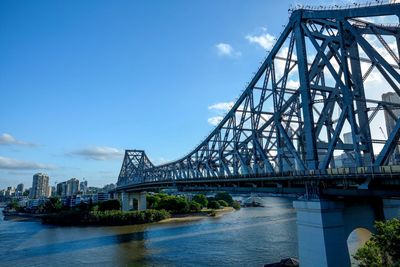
{"x":13,"y":205}
{"x":223,"y":203}
{"x":53,"y":204}
{"x":153,"y":201}
{"x":112,"y":204}
{"x":201,"y":199}
{"x":194,"y":206}
{"x":383,"y":249}
{"x":174,"y":204}
{"x":224,"y":196}
{"x":236,"y":205}
{"x":213,"y":204}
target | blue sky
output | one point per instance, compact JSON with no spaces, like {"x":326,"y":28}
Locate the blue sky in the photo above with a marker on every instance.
{"x":83,"y":80}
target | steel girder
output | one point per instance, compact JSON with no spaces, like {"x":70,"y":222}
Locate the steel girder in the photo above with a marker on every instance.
{"x":309,"y":90}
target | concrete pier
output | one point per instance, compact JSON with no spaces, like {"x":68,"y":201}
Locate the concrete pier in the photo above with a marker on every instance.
{"x":127,"y":201}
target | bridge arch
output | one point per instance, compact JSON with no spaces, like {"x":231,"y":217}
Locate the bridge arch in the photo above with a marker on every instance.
{"x":357,"y":238}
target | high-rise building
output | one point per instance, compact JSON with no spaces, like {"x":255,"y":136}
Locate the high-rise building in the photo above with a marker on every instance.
{"x":68,"y":188}
{"x":83,"y":187}
{"x":348,"y":138}
{"x":53,"y":191}
{"x":10,"y":191}
{"x":20,"y":188}
{"x":62,"y":189}
{"x":72,"y":186}
{"x":391,"y":122}
{"x":40,"y":186}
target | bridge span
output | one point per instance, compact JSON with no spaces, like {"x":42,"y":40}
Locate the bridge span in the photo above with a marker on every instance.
{"x":311,"y":121}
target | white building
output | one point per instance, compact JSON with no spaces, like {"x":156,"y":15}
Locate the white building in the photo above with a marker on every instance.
{"x":391,"y":122}
{"x":40,"y":186}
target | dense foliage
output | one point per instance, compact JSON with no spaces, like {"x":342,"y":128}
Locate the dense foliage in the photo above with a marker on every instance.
{"x":194,"y":206}
{"x":108,"y":212}
{"x":175,"y":204}
{"x":383,"y":249}
{"x":236,"y":205}
{"x":225,"y":197}
{"x":111,"y":217}
{"x":112,"y":204}
{"x":53,"y":204}
{"x":223,"y":203}
{"x":179,"y":204}
{"x":201,"y":199}
{"x":213,"y":204}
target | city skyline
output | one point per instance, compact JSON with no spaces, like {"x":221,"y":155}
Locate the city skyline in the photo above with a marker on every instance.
{"x":84,"y":82}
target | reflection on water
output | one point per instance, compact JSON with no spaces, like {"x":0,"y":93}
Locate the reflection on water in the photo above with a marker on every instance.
{"x":249,"y":237}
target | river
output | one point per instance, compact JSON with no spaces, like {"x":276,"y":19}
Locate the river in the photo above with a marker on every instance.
{"x":248,"y":237}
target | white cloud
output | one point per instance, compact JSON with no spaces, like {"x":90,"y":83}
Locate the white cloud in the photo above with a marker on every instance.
{"x":99,"y":153}
{"x":293,"y":84}
{"x":224,"y":49}
{"x":160,"y":161}
{"x":219,"y":109}
{"x":265,"y":40}
{"x":222,"y":106}
{"x":8,"y":139}
{"x":215,"y":120}
{"x":14,"y":164}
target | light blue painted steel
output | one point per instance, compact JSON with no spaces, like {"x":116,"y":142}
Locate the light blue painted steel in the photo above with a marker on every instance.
{"x":321,"y":50}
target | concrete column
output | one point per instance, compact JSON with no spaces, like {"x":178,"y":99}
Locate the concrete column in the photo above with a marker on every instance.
{"x":142,"y":200}
{"x":391,"y":208}
{"x":125,"y":201}
{"x":322,"y":240}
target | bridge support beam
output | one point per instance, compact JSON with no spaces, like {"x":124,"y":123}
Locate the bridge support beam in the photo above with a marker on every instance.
{"x":127,"y":201}
{"x":142,"y":200}
{"x":322,"y":238}
{"x":323,"y":226}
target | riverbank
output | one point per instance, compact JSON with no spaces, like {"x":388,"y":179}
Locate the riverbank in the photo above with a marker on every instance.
{"x":197,"y":216}
{"x":20,"y":217}
{"x":206,"y":213}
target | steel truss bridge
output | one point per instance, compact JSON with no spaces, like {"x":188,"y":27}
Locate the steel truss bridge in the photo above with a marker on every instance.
{"x":324,"y":77}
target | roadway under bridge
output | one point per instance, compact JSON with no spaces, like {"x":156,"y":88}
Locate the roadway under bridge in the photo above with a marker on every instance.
{"x":320,"y":118}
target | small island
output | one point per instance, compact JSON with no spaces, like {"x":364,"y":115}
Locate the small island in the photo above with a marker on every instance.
{"x":161,"y":207}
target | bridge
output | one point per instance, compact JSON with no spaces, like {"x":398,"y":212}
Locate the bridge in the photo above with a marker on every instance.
{"x":309,"y":122}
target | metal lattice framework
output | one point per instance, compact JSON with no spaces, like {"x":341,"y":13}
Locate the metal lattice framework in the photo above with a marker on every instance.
{"x":313,"y":87}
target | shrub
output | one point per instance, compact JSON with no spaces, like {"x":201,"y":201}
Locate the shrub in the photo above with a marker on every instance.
{"x":213,"y":204}
{"x":194,"y":206}
{"x":70,"y":217}
{"x":112,"y":204}
{"x":153,"y":201}
{"x":53,"y":204}
{"x":201,"y":199}
{"x":174,"y":204}
{"x":223,"y":203}
{"x":236,"y":205}
{"x":224,"y":196}
{"x":108,"y":217}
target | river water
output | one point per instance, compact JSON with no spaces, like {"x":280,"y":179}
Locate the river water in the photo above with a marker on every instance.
{"x":248,"y":237}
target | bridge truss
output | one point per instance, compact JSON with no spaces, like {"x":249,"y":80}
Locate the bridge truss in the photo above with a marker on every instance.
{"x":323,"y":78}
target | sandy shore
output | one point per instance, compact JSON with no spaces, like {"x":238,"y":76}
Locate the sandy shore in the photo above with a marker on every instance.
{"x":197,"y":216}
